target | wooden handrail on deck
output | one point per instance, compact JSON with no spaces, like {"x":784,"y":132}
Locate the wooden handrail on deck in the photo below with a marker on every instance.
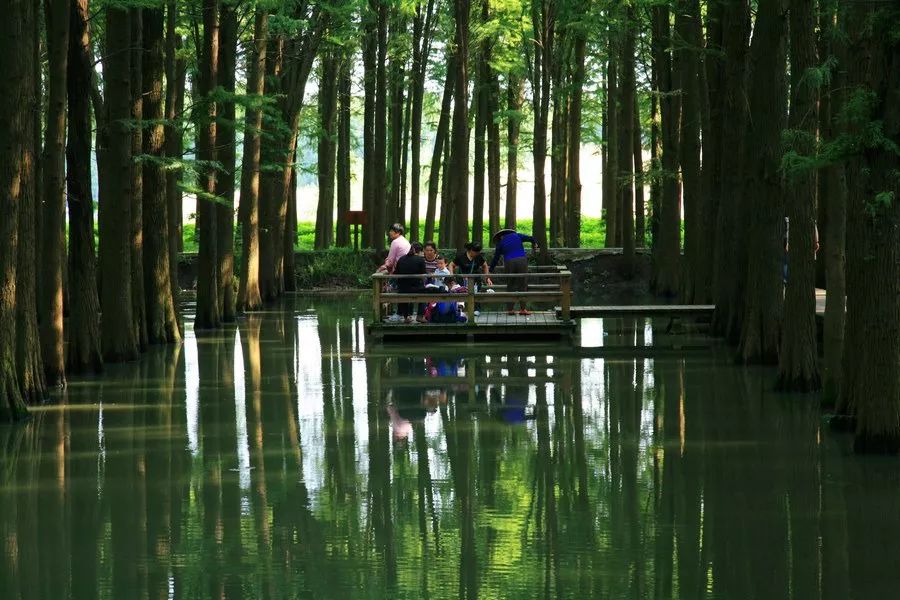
{"x":550,"y":292}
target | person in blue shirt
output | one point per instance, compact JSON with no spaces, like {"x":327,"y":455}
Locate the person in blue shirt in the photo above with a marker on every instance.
{"x":510,"y":246}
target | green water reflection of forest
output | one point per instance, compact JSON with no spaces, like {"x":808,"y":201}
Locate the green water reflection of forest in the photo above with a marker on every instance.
{"x":281,"y":458}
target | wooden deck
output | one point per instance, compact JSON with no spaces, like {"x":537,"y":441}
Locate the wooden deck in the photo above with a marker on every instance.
{"x":488,"y":325}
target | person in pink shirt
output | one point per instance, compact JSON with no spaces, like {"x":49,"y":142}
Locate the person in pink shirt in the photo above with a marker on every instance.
{"x":399,"y":247}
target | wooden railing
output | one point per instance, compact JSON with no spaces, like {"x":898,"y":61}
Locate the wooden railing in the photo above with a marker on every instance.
{"x":556,"y":288}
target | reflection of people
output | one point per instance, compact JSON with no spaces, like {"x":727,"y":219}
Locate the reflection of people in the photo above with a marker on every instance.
{"x":509,"y":245}
{"x":515,"y":397}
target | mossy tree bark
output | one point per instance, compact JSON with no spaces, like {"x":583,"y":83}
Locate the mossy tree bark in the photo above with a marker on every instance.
{"x":118,"y":341}
{"x":83,"y":352}
{"x":16,"y":158}
{"x":53,"y":240}
{"x":249,"y":298}
{"x":799,"y":357}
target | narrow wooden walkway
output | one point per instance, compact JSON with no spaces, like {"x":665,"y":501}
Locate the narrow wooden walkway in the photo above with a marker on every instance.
{"x":537,"y":325}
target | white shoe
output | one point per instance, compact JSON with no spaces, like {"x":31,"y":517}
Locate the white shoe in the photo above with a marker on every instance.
{"x":477,"y":313}
{"x":395,"y":318}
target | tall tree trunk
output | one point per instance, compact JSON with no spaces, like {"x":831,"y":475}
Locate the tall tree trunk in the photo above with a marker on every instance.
{"x":176,"y":74}
{"x":711,"y":119}
{"x":209,"y":315}
{"x":731,"y":252}
{"x":440,"y":137}
{"x":343,"y":148}
{"x":871,"y":386}
{"x":83,"y":352}
{"x":249,"y":298}
{"x":226,"y":151}
{"x":16,"y":167}
{"x":162,"y":323}
{"x":56,"y":15}
{"x":640,"y":204}
{"x":370,"y":58}
{"x":611,"y":162}
{"x":379,"y":179}
{"x":833,"y":197}
{"x":290,"y":231}
{"x":515,"y":92}
{"x":421,"y":45}
{"x":326,"y":149}
{"x":137,"y":199}
{"x":667,"y":257}
{"x":269,"y":180}
{"x":573,"y":186}
{"x":118,"y":340}
{"x":798,"y":359}
{"x":689,"y":29}
{"x":395,"y":119}
{"x":543,"y":18}
{"x":459,"y":138}
{"x":493,"y":151}
{"x":626,"y":141}
{"x":479,"y":102}
{"x":445,"y":239}
{"x":558,"y":160}
{"x":763,"y":289}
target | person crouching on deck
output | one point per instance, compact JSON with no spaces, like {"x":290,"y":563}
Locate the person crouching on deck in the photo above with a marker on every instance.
{"x":509,"y":245}
{"x":411,"y":264}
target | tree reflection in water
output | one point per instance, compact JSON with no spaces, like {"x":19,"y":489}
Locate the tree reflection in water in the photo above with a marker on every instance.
{"x":279,"y":458}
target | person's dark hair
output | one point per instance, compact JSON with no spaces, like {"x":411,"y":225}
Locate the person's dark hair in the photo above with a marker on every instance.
{"x":397,"y":228}
{"x":473,"y":246}
{"x":431,"y":244}
{"x":439,"y":257}
{"x":415,"y":248}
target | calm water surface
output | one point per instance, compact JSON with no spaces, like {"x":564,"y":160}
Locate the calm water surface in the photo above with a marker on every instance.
{"x":284,"y":458}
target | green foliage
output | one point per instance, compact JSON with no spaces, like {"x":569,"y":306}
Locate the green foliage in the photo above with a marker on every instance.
{"x":339,"y":267}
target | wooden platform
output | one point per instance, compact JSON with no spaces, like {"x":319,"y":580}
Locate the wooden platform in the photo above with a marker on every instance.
{"x":541,"y":325}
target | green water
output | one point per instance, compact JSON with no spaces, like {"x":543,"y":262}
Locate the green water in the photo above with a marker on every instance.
{"x":283,"y":458}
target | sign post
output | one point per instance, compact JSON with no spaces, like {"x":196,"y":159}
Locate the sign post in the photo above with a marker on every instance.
{"x":356,"y":218}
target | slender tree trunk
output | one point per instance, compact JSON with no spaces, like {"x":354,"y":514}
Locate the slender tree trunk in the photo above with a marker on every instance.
{"x":543,"y":18}
{"x":731,"y":252}
{"x":515,"y":92}
{"x":763,"y":288}
{"x":226,"y":154}
{"x":16,"y":166}
{"x":459,"y":139}
{"x":833,"y":197}
{"x":689,"y":29}
{"x":626,"y":140}
{"x":343,"y":148}
{"x":370,"y":58}
{"x":493,"y":151}
{"x":176,"y":73}
{"x":871,"y":384}
{"x":395,"y":120}
{"x":269,"y":182}
{"x":667,"y":258}
{"x":137,"y":147}
{"x":573,"y":187}
{"x":290,"y":232}
{"x":798,"y":359}
{"x":711,"y":126}
{"x":56,"y":15}
{"x":379,"y":180}
{"x":655,"y":164}
{"x":445,"y":238}
{"x":558,"y":147}
{"x":611,"y":164}
{"x":162,"y":323}
{"x":249,"y":298}
{"x":640,"y":204}
{"x":440,"y":137}
{"x":209,"y":315}
{"x":478,"y":164}
{"x":83,"y":352}
{"x":118,"y":340}
{"x":326,"y":149}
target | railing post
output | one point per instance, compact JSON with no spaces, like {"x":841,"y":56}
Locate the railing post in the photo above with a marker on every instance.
{"x":470,"y":302}
{"x":565,"y":286}
{"x":376,"y":298}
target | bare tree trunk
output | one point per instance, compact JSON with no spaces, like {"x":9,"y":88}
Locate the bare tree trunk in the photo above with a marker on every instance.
{"x":16,"y":167}
{"x":493,"y":151}
{"x":573,"y":187}
{"x":558,"y":160}
{"x":478,"y":164}
{"x":459,"y":140}
{"x":434,"y":176}
{"x":118,"y":335}
{"x":543,"y":18}
{"x":56,"y":14}
{"x":137,"y":148}
{"x":343,"y":148}
{"x":326,"y":149}
{"x":226,"y":154}
{"x":370,"y":58}
{"x":626,"y":140}
{"x":640,"y":204}
{"x":763,"y":290}
{"x":422,"y":25}
{"x":395,"y":120}
{"x":83,"y":353}
{"x":249,"y":298}
{"x":269,"y":182}
{"x":176,"y":74}
{"x":515,"y":92}
{"x":379,"y":180}
{"x":798,"y":358}
{"x":611,"y":164}
{"x":209,"y":315}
